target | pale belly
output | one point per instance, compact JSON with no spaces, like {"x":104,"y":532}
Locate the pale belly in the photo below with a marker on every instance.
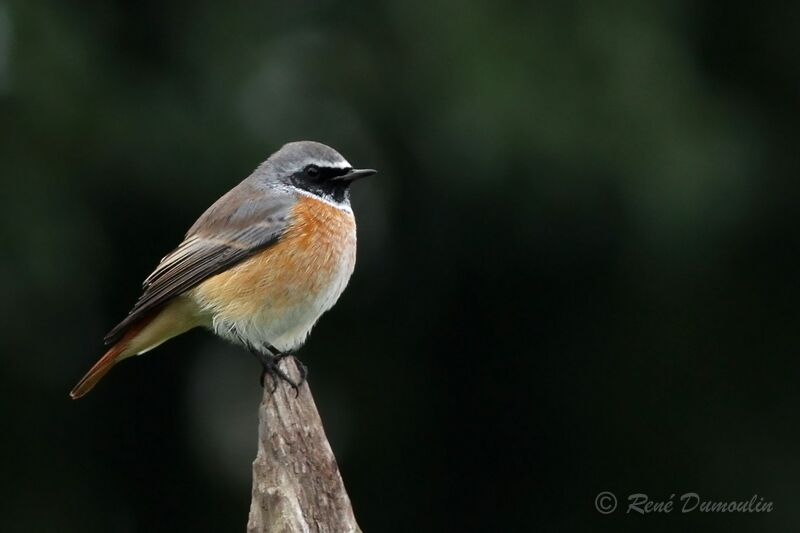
{"x":278,"y":295}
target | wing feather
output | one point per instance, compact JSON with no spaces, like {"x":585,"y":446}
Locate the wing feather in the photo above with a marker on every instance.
{"x":241,"y":223}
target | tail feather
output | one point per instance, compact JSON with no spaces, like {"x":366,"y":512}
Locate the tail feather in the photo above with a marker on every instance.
{"x":115,"y":354}
{"x":141,"y":336}
{"x":96,"y":373}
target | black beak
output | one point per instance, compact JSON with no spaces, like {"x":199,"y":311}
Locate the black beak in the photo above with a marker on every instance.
{"x":357,"y":174}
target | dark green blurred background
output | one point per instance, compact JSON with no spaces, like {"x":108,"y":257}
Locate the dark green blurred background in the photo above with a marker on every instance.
{"x":577,"y":270}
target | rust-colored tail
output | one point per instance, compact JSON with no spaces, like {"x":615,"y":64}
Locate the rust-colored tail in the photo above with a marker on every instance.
{"x":97,"y":372}
{"x":114,"y":355}
{"x":177,"y":317}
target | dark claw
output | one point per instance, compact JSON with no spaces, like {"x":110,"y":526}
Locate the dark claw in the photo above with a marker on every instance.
{"x":303,"y":370}
{"x":270,"y":359}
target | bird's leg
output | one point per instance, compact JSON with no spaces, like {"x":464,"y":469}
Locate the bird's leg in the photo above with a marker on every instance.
{"x":270,"y":357}
{"x":279,"y":356}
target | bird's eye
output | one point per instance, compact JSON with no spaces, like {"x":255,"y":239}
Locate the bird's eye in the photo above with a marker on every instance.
{"x":312,"y":171}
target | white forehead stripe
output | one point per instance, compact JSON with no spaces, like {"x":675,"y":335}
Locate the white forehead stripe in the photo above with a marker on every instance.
{"x":342,"y":163}
{"x":321,"y":163}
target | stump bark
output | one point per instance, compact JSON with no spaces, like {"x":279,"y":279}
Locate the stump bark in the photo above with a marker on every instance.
{"x":296,"y":482}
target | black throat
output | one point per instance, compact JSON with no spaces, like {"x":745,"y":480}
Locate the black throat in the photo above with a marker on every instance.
{"x":324,"y":185}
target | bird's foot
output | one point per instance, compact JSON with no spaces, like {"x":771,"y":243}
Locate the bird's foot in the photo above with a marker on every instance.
{"x":303,"y":369}
{"x":270,"y":359}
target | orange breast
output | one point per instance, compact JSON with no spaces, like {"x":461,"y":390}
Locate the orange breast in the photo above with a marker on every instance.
{"x":316,"y":252}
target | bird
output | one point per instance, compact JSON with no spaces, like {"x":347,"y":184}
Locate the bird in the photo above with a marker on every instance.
{"x":258,"y":268}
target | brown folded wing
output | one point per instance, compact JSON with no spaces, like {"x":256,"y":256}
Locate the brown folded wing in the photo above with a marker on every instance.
{"x":238,"y":225}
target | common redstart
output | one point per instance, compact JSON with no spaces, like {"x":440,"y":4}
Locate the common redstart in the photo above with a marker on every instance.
{"x":258,"y":268}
